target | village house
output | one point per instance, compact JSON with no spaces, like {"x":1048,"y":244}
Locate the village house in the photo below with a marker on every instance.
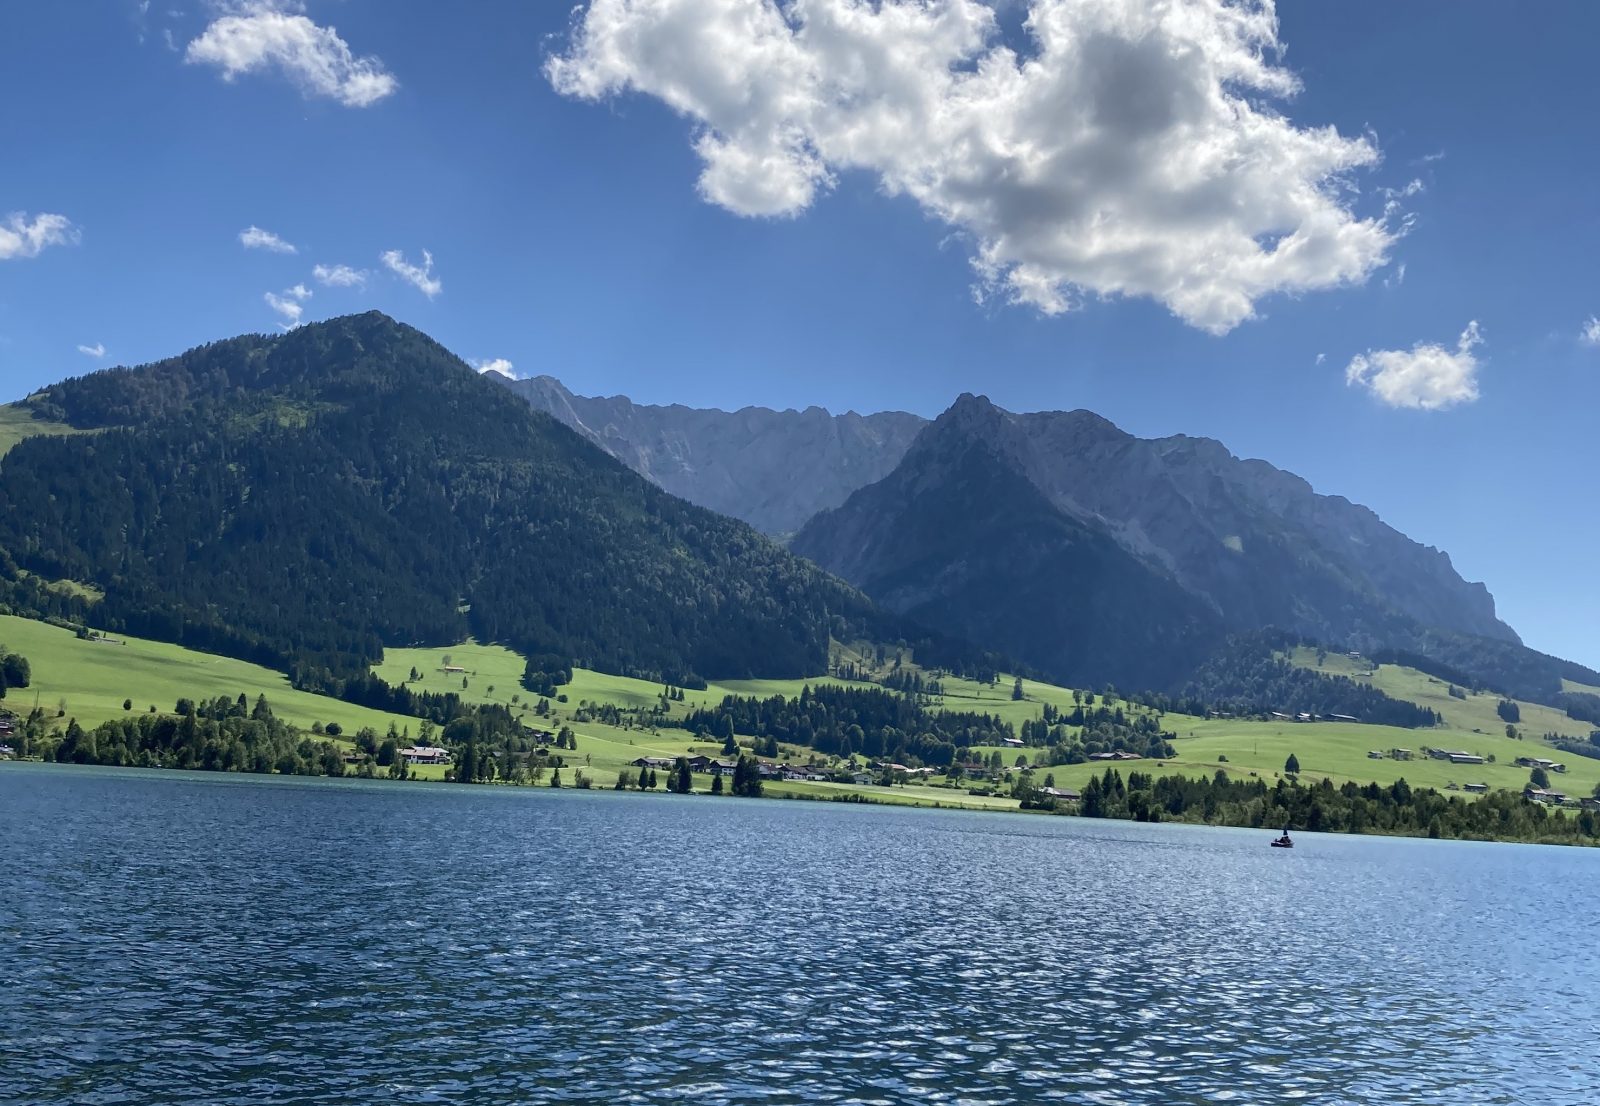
{"x":1541,"y":795}
{"x":700,"y":763}
{"x":1476,"y":788}
{"x":652,"y":762}
{"x":803,"y":772}
{"x":862,"y":777}
{"x":1465,"y":758}
{"x":7,"y":752}
{"x":1062,"y":793}
{"x":425,"y":754}
{"x":1118,"y":755}
{"x":453,"y":670}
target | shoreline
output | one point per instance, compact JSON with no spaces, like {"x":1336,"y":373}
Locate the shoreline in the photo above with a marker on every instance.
{"x":189,"y":775}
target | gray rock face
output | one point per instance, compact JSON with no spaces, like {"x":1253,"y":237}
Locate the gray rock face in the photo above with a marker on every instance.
{"x":773,"y":469}
{"x":1255,"y":544}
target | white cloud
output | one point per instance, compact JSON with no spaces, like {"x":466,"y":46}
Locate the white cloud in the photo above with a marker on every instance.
{"x":254,"y":238}
{"x":340,"y":276}
{"x":97,"y":351}
{"x":1133,"y":149}
{"x":495,"y":365}
{"x":290,"y":304}
{"x":1590,"y":334}
{"x":1427,"y":377}
{"x":21,"y":236}
{"x":419,"y":276}
{"x":1321,"y":357}
{"x":263,"y":34}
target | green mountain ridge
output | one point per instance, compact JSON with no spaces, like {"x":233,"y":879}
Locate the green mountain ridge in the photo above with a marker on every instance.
{"x":302,"y":500}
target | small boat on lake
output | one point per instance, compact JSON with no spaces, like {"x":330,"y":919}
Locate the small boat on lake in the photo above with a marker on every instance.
{"x":1283,"y":842}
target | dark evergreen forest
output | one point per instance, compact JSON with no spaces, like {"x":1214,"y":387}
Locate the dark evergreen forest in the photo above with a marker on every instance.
{"x":304,"y":499}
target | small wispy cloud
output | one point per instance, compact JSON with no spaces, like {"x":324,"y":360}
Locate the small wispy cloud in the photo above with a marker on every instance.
{"x":340,"y":276}
{"x":419,"y":277}
{"x":1321,"y":357}
{"x":22,"y":236}
{"x":1590,"y":334}
{"x":495,"y":365}
{"x":254,"y":238}
{"x":290,"y":303}
{"x":1426,"y":377}
{"x":97,"y":351}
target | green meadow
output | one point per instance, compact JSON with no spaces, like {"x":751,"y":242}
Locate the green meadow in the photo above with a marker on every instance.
{"x":90,"y":679}
{"x":16,"y":424}
{"x":1475,"y":712}
{"x":1338,"y":751}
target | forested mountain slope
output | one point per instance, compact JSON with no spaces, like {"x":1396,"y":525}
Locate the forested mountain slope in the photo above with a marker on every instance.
{"x":304,"y":499}
{"x":1092,"y":554}
{"x":955,"y":539}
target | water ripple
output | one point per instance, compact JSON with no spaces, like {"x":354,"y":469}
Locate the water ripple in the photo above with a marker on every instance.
{"x":167,"y":938}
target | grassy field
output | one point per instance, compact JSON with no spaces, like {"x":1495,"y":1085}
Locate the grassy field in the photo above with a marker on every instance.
{"x":1474,"y":713}
{"x":1338,"y":751}
{"x":90,"y":679}
{"x":493,"y":674}
{"x":16,"y":424}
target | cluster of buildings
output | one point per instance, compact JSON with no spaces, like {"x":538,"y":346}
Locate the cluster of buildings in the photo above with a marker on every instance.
{"x":1556,"y":798}
{"x":1539,"y":762}
{"x":1307,"y":716}
{"x":766,"y":769}
{"x":1455,"y":756}
{"x":1389,"y":754}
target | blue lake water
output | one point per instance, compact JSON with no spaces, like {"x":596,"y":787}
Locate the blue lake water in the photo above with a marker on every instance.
{"x":168,"y":937}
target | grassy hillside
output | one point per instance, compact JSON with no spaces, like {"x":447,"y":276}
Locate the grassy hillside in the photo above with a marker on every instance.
{"x":90,"y":679}
{"x":1338,"y":752}
{"x":94,"y":677}
{"x":16,"y":423}
{"x":1475,"y":712}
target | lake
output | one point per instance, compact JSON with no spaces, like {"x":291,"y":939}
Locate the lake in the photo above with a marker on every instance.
{"x":170,"y":937}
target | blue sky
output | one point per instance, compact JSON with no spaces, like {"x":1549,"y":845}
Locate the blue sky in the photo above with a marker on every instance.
{"x":545,"y":158}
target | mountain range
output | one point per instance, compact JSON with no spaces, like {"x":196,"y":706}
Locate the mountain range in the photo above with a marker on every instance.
{"x":306,"y":499}
{"x":1056,"y":537}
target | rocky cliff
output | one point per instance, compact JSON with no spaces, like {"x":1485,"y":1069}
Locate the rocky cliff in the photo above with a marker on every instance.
{"x":772,"y":469}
